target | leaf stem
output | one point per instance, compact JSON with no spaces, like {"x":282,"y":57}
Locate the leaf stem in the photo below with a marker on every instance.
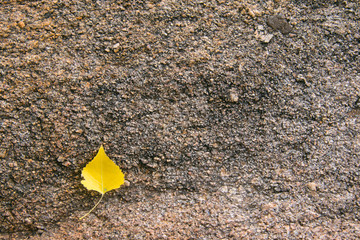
{"x":93,"y":207}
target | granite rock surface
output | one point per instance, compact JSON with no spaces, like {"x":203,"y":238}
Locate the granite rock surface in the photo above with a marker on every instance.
{"x":230,"y":119}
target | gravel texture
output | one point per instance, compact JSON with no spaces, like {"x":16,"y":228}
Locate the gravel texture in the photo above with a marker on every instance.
{"x":230,"y":119}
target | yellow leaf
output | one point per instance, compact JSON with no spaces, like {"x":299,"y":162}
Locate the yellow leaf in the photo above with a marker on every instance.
{"x":102,"y":175}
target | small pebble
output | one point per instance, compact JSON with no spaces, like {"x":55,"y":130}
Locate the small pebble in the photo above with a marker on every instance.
{"x":266,"y":38}
{"x":311,"y":186}
{"x":280,"y":24}
{"x":126,"y":183}
{"x":234,"y":97}
{"x":3,"y":153}
{"x":21,"y":24}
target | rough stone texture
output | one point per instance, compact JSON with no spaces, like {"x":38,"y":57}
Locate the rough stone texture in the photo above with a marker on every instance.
{"x":221,"y":135}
